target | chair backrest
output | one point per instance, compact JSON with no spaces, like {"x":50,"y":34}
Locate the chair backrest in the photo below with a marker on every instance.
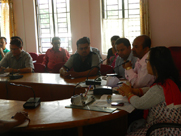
{"x":106,"y":69}
{"x":176,"y":55}
{"x":40,"y":58}
{"x":39,"y":68}
{"x":33,"y":55}
{"x":57,"y":67}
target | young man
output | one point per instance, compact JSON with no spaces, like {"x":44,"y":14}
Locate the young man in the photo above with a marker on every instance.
{"x":139,"y":77}
{"x":3,"y":49}
{"x":95,"y":50}
{"x":55,"y":55}
{"x":83,"y":62}
{"x":17,"y":60}
{"x":123,"y":48}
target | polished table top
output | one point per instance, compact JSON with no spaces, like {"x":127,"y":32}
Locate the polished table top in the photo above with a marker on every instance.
{"x":53,"y":115}
{"x":48,"y":86}
{"x":46,"y":78}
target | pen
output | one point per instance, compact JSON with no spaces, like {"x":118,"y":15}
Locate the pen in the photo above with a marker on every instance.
{"x":119,"y":83}
{"x":87,"y":90}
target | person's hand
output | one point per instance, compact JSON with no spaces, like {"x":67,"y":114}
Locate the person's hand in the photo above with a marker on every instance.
{"x":8,"y":70}
{"x":20,"y":117}
{"x":125,"y":89}
{"x":128,"y":64}
{"x":71,"y":74}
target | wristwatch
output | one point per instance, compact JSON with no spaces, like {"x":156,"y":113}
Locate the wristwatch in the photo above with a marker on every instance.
{"x":128,"y":68}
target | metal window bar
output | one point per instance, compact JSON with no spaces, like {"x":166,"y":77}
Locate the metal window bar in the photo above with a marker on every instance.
{"x":57,"y":21}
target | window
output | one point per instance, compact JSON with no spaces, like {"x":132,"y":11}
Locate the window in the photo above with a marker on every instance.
{"x":120,"y":17}
{"x":0,"y":18}
{"x":53,"y":19}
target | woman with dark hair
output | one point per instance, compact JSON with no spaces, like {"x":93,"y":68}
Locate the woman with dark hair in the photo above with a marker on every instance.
{"x":162,"y":101}
{"x":111,"y":54}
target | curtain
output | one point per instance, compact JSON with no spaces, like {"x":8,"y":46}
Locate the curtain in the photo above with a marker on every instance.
{"x":7,"y":19}
{"x":144,"y":17}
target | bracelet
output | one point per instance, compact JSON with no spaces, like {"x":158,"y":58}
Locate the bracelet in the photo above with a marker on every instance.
{"x":128,"y":68}
{"x":129,"y":94}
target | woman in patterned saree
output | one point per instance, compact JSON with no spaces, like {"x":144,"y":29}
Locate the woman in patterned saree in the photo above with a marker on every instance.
{"x":162,"y":101}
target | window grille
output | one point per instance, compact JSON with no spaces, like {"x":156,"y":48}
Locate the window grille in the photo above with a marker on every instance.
{"x":120,"y":17}
{"x":53,"y":19}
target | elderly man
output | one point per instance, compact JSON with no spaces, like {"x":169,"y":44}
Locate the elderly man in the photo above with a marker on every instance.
{"x":3,"y":49}
{"x":139,"y":77}
{"x":17,"y":60}
{"x":83,"y":62}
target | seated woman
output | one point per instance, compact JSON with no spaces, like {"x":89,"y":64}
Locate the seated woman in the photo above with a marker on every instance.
{"x":112,"y":51}
{"x":163,"y":98}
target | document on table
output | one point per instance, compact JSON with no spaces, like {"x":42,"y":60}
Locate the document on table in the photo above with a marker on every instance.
{"x":24,"y":124}
{"x":102,"y":102}
{"x":4,"y":74}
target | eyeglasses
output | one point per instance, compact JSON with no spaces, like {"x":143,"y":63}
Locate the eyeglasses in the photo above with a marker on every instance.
{"x":14,"y":49}
{"x":146,"y":60}
{"x":85,"y":48}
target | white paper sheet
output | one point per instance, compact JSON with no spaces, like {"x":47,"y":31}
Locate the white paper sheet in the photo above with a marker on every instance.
{"x":102,"y":102}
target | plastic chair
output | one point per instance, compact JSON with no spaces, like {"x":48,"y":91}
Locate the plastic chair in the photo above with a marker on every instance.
{"x":33,"y":55}
{"x":162,"y":125}
{"x":39,"y":68}
{"x":40,"y":58}
{"x":176,"y":55}
{"x":57,"y":67}
{"x":106,"y":69}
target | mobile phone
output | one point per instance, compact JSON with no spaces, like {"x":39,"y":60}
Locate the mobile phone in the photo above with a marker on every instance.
{"x":117,"y":104}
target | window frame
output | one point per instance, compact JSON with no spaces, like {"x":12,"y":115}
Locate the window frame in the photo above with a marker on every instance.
{"x":54,"y":29}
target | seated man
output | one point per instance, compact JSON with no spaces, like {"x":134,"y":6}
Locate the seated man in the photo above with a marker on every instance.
{"x":138,"y":76}
{"x":17,"y":60}
{"x":3,"y":49}
{"x":55,"y":55}
{"x":83,"y":62}
{"x":95,"y":50}
{"x":123,"y":48}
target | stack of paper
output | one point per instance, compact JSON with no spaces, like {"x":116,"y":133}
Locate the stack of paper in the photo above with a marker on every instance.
{"x":102,"y":102}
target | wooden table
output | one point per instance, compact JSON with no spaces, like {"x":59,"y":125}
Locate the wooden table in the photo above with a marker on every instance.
{"x":48,"y":86}
{"x":51,"y":116}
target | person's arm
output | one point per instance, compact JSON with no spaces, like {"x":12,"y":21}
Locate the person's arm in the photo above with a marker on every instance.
{"x":66,"y":55}
{"x":23,"y":70}
{"x":1,"y":52}
{"x":68,"y":65}
{"x":45,"y":59}
{"x":140,"y":78}
{"x":91,"y":72}
{"x":151,"y":98}
{"x":18,"y":119}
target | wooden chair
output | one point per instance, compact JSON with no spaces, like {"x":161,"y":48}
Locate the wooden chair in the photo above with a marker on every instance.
{"x":106,"y":69}
{"x":40,"y":58}
{"x":33,"y":55}
{"x":39,"y":68}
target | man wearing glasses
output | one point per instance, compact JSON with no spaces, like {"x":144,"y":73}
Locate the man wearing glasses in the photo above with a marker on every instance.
{"x":84,"y":62}
{"x":17,"y":60}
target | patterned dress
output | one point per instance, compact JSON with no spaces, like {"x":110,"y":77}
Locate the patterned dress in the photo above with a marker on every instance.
{"x":162,"y":114}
